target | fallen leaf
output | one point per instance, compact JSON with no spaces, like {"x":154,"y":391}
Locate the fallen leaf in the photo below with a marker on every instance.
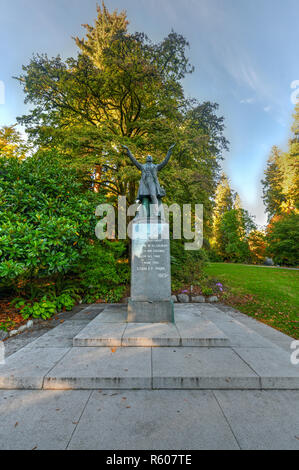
{"x":113,"y":350}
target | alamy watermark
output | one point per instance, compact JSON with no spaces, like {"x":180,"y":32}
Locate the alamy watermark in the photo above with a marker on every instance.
{"x":187,"y":222}
{"x":2,"y":92}
{"x":295,"y":353}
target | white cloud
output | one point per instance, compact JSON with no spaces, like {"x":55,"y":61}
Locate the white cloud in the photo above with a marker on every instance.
{"x":221,"y":28}
{"x":267,"y":109}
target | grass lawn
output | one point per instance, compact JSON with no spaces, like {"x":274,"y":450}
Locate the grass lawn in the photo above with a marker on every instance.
{"x":270,"y":295}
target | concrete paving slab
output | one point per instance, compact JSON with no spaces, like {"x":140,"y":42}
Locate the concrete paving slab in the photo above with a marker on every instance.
{"x":26,"y":368}
{"x":49,"y":341}
{"x":201,"y":368}
{"x":13,"y":344}
{"x":59,"y":337}
{"x":114,"y":314}
{"x":201,"y":333}
{"x":192,"y":306}
{"x":186,"y":312}
{"x":273,"y":366}
{"x":69,"y":328}
{"x":284,"y":344}
{"x":275,"y":336}
{"x":88,"y":313}
{"x":151,"y":334}
{"x":97,"y":333}
{"x":152,"y":420}
{"x":262,"y":420}
{"x":239,"y":334}
{"x":193,"y":331}
{"x":91,"y":368}
{"x":39,"y":419}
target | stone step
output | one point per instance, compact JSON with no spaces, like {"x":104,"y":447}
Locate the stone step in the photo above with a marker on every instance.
{"x":249,"y":361}
{"x":149,"y":368}
{"x":194,"y":331}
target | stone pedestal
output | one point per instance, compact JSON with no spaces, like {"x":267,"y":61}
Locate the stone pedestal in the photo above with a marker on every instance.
{"x":150,"y":300}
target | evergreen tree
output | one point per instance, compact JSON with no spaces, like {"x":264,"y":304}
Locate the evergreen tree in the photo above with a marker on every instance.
{"x":281,"y":197}
{"x":231,"y":224}
{"x":272,"y":184}
{"x":233,"y":244}
{"x":237,"y":202}
{"x":281,"y":183}
{"x":223,"y":203}
{"x":291,"y":168}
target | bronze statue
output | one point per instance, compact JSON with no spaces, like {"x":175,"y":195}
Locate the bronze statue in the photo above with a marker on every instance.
{"x":149,"y":186}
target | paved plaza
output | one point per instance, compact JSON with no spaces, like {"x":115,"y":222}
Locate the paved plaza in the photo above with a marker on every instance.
{"x":216,"y":379}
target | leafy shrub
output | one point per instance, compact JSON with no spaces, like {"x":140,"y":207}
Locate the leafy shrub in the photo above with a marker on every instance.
{"x":213,"y":256}
{"x":44,"y":308}
{"x":46,"y":220}
{"x":106,"y":272}
{"x":206,"y":290}
{"x":7,"y":324}
{"x":186,"y":266}
{"x":49,"y":255}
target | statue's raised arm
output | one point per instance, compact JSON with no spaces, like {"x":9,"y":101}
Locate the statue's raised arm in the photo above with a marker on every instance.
{"x":132,"y":158}
{"x":166,"y":159}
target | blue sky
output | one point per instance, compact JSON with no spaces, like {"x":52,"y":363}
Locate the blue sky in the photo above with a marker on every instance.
{"x":245,"y":54}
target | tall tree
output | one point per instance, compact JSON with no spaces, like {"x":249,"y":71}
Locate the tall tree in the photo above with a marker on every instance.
{"x":281,"y":197}
{"x":124,"y":89}
{"x":223,"y":203}
{"x":272,"y":184}
{"x":281,"y":182}
{"x":257,"y":246}
{"x":290,"y":168}
{"x":235,"y":226}
{"x":237,"y":202}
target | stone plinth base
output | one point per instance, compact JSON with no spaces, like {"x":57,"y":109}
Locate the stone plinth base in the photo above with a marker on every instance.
{"x":150,"y":300}
{"x":150,"y":312}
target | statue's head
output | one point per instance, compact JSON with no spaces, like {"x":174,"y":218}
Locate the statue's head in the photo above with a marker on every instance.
{"x":149,"y":159}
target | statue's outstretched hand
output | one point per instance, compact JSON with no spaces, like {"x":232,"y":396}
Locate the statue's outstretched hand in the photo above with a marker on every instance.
{"x":171,"y":147}
{"x":125,"y":147}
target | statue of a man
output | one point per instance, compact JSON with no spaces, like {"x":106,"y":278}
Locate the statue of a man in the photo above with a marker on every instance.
{"x":149,"y":186}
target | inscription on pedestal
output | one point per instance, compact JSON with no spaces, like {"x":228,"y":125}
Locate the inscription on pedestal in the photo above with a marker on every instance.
{"x":150,"y":262}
